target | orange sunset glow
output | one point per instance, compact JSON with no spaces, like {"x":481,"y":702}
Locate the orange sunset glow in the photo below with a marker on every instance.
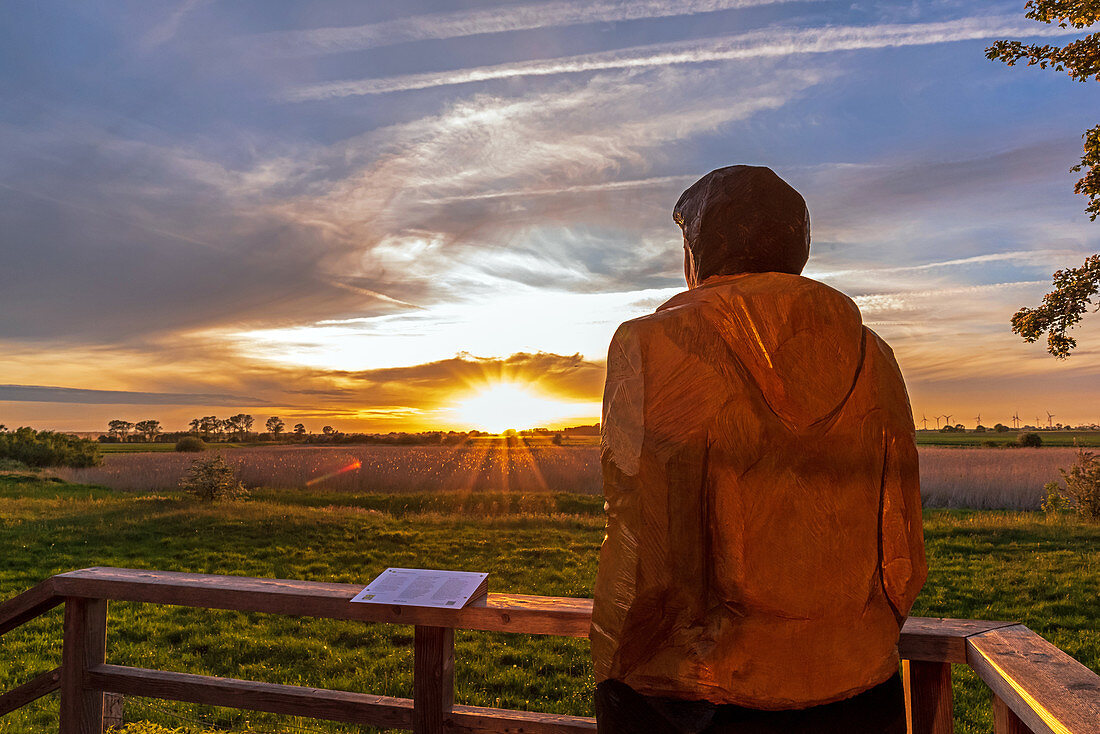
{"x":503,"y":405}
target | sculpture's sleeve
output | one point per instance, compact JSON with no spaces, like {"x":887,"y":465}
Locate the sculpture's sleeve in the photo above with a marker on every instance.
{"x":652,"y":579}
{"x":904,"y":568}
{"x":622,"y":428}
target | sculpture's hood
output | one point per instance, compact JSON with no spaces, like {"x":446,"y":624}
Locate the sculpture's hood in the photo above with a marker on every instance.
{"x":801,"y":341}
{"x":743,"y":219}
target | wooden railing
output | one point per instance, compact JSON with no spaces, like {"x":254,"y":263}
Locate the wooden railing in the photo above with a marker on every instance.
{"x":1036,"y":687}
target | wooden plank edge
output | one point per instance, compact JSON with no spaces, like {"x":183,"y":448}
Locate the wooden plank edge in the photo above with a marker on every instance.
{"x":275,"y":698}
{"x":24,"y":607}
{"x":479,"y":720}
{"x":32,"y":690}
{"x":1013,"y":693}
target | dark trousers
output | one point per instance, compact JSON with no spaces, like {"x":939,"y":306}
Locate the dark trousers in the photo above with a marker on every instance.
{"x":622,"y":710}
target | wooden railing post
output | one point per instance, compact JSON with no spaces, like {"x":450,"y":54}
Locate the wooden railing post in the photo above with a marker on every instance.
{"x":84,"y":646}
{"x":928,"y":698}
{"x":433,"y":678}
{"x":1005,"y":721}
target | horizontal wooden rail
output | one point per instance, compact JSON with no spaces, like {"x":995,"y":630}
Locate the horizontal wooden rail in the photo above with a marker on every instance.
{"x":922,"y":638}
{"x":1037,"y":687}
{"x":318,"y":703}
{"x":537,"y":615}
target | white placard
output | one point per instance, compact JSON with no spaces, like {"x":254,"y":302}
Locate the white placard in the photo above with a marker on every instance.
{"x":424,"y":587}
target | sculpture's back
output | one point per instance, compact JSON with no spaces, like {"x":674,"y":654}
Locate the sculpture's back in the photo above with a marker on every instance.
{"x":764,"y":536}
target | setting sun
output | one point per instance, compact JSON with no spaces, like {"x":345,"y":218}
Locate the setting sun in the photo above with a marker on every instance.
{"x":505,"y":405}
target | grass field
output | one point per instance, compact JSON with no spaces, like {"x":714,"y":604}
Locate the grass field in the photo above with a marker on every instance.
{"x":1050,"y":438}
{"x":992,"y":565}
{"x":950,"y":477}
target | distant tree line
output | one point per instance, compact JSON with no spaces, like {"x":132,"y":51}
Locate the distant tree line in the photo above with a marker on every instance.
{"x":238,"y":428}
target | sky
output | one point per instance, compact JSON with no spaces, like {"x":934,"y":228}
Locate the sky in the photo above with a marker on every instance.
{"x":371,"y":215}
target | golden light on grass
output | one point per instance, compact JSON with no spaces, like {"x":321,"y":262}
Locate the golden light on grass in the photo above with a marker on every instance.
{"x":500,"y":406}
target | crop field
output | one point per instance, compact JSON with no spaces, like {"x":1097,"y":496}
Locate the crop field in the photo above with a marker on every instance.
{"x":1020,"y":566}
{"x":950,"y":477}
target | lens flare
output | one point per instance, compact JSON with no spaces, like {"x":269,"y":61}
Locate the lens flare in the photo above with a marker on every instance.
{"x":350,"y":467}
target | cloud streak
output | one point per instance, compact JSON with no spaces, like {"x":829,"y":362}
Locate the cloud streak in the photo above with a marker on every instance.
{"x":500,"y":19}
{"x":770,"y":42}
{"x":82,"y":396}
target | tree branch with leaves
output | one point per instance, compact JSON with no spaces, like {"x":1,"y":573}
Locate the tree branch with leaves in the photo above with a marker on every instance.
{"x":1074,"y":287}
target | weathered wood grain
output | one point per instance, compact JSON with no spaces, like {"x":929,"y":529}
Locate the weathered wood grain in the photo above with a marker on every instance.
{"x":114,"y":711}
{"x":433,"y":677}
{"x":929,"y":705}
{"x":1047,"y":689}
{"x":28,"y":605}
{"x":1006,"y":722}
{"x":478,"y":720}
{"x":85,"y":646}
{"x":934,"y":639}
{"x":317,"y":703}
{"x":32,"y":690}
{"x":498,"y":612}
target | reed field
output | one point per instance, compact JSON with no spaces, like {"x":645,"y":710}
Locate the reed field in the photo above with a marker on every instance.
{"x":980,"y":478}
{"x":482,"y":467}
{"x":1010,"y":478}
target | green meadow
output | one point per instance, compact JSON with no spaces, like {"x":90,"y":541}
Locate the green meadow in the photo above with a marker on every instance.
{"x":1008,"y":438}
{"x":1019,"y":566}
{"x":135,"y":448}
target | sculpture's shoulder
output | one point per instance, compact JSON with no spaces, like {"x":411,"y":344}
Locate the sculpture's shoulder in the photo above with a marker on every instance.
{"x":773,"y":291}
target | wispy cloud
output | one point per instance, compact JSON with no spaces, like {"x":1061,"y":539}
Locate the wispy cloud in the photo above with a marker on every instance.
{"x":770,"y":42}
{"x":1020,"y":257}
{"x":47,"y":394}
{"x":605,"y":186}
{"x":499,"y":19}
{"x":166,"y":29}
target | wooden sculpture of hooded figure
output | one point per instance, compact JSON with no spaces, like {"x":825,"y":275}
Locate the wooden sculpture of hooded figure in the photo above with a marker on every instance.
{"x":764,"y":541}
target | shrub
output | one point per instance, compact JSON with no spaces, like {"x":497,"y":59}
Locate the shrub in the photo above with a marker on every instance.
{"x":1030,"y":440}
{"x":212,"y":479}
{"x":1054,"y":501}
{"x":1083,"y":485}
{"x":47,"y":448}
{"x":191,"y":444}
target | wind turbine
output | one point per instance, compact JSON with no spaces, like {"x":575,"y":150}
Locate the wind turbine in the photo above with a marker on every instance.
{"x":1016,"y":419}
{"x":924,"y":420}
{"x":1050,"y":423}
{"x":978,"y":419}
{"x":938,"y":421}
{"x":947,"y":420}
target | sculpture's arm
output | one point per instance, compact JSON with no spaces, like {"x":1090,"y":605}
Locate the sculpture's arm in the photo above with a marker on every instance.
{"x":904,"y":568}
{"x":652,"y":565}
